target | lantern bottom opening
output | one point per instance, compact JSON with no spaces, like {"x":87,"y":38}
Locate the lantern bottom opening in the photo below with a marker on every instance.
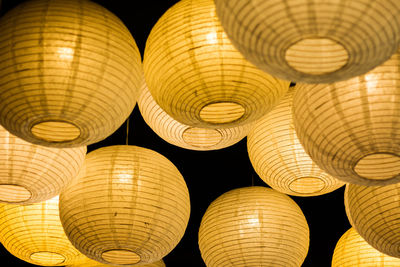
{"x":47,"y":258}
{"x":316,"y":56}
{"x":222,"y":112}
{"x":14,"y":193}
{"x":307,"y":185}
{"x":56,"y":131}
{"x":120,"y":256}
{"x":378,"y":166}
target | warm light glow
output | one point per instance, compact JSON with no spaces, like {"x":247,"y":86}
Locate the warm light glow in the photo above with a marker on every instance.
{"x":212,"y":38}
{"x":65,"y":53}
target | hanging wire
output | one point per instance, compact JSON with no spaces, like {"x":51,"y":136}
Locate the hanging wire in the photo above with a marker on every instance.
{"x":127,"y":132}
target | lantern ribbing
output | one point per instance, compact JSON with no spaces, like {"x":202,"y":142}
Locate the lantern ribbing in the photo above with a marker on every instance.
{"x":279,"y":159}
{"x":185,"y":136}
{"x":351,"y":129}
{"x":131,"y":206}
{"x":33,"y":233}
{"x":197,"y":76}
{"x":352,"y":250}
{"x":31,"y":173}
{"x":70,"y":75}
{"x":374,"y":212}
{"x":253,"y":226}
{"x":312,"y":41}
{"x":91,"y":263}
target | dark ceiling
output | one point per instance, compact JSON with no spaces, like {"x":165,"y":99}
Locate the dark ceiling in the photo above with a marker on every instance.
{"x":207,"y":174}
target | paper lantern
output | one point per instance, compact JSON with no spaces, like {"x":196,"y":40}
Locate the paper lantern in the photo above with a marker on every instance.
{"x":351,"y":128}
{"x":351,"y":250}
{"x":92,"y":263}
{"x":374,"y":212}
{"x":185,"y":136}
{"x":253,"y":226}
{"x":279,"y":159}
{"x":70,"y":74}
{"x":34,"y":234}
{"x":131,"y":207}
{"x":197,"y":76}
{"x":31,"y":173}
{"x":312,"y":41}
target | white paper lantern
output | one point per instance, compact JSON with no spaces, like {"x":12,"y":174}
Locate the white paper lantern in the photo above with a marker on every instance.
{"x":197,"y":76}
{"x":253,"y":226}
{"x":34,"y":234}
{"x":374,"y":212}
{"x":131,"y":207}
{"x":351,"y":250}
{"x":185,"y":136}
{"x":31,"y":173}
{"x":351,"y":129}
{"x":70,"y":72}
{"x":280,"y":160}
{"x":313,"y":41}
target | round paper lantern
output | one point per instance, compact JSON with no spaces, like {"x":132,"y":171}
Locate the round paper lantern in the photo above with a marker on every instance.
{"x":374,"y":212}
{"x":31,"y":173}
{"x":70,"y":74}
{"x":312,"y":41}
{"x":132,"y":206}
{"x":279,"y":159}
{"x":253,"y":226}
{"x":92,"y":263}
{"x":185,"y":136}
{"x":197,"y":76}
{"x":351,"y":129}
{"x":351,"y":250}
{"x":34,"y":233}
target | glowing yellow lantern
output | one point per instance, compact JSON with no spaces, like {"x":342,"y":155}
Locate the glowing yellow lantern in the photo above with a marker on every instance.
{"x":197,"y":76}
{"x":70,"y":74}
{"x":34,"y":234}
{"x":279,"y":159}
{"x":185,"y":136}
{"x":253,"y":226}
{"x":351,"y":250}
{"x":350,"y":128}
{"x":132,"y":206}
{"x":31,"y":173}
{"x":374,"y":212}
{"x":313,"y":41}
{"x":91,"y":263}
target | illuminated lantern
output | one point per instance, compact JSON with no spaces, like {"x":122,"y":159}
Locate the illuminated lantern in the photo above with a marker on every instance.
{"x":31,"y":173}
{"x":92,"y":263}
{"x":197,"y":76}
{"x":34,"y":234}
{"x":313,"y":41}
{"x":351,"y":250}
{"x":131,"y":207}
{"x":253,"y":226}
{"x":374,"y":212}
{"x":70,"y":74}
{"x":184,"y":136}
{"x":279,"y":159}
{"x":351,"y":128}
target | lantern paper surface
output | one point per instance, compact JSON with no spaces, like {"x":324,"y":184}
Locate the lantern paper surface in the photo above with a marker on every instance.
{"x":31,"y":173}
{"x":34,"y":234}
{"x":197,"y":76}
{"x":70,"y":74}
{"x":312,"y":41}
{"x":351,"y":129}
{"x":91,"y":263}
{"x":374,"y":212}
{"x":184,"y":136}
{"x":352,"y":250}
{"x":279,"y":159}
{"x":245,"y":227}
{"x":131,"y":207}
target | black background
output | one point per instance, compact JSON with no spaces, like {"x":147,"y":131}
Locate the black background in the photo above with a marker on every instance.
{"x":207,"y":174}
